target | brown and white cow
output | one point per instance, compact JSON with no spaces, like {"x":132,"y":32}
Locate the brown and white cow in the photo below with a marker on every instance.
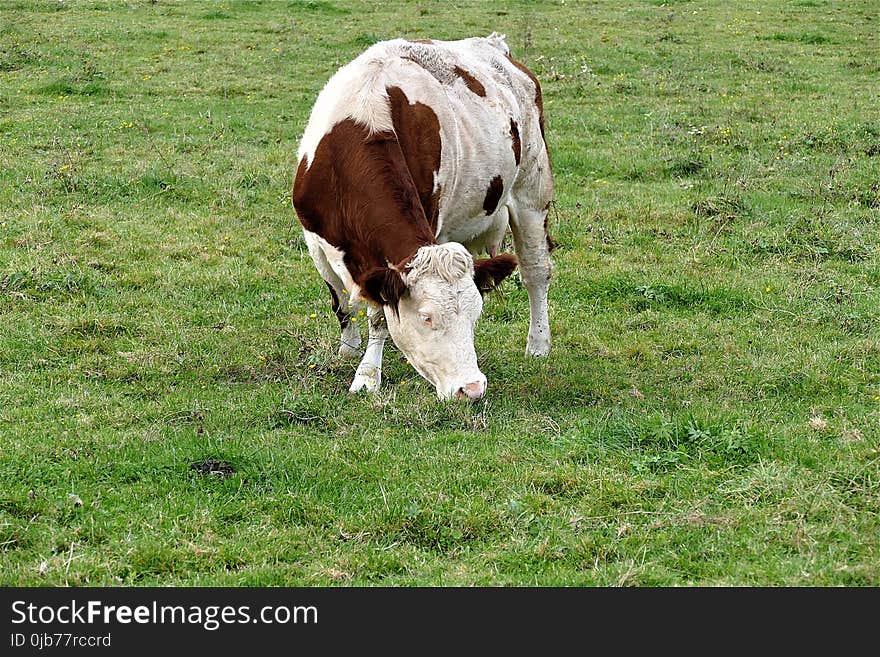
{"x":417,"y":156}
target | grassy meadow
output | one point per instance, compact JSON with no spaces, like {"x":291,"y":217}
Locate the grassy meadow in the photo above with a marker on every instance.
{"x":172,"y":409}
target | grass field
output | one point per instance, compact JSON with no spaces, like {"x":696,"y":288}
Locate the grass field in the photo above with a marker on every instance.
{"x":709,"y":414}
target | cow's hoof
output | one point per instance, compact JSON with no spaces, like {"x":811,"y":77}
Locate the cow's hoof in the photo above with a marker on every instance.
{"x":368,"y":380}
{"x":349,"y":345}
{"x":538,"y":348}
{"x":348,"y":352}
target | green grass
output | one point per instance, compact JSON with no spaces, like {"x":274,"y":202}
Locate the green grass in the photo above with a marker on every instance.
{"x":709,"y":414}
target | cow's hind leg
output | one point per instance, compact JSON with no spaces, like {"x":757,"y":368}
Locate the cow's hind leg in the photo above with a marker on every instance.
{"x":351,"y":337}
{"x":369,"y":372}
{"x":339,"y":300}
{"x":533,"y":251}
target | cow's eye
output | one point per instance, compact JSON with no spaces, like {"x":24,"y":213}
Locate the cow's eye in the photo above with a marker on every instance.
{"x":426,"y":320}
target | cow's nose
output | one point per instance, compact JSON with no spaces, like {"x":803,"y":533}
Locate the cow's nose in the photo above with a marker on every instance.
{"x":472,"y":391}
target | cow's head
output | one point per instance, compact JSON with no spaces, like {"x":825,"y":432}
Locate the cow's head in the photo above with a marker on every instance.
{"x":432,"y":305}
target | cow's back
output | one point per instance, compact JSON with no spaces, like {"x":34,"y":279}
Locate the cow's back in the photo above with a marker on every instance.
{"x":468,"y":119}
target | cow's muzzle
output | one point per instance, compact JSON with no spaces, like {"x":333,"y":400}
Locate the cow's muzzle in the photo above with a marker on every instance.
{"x":473,"y":391}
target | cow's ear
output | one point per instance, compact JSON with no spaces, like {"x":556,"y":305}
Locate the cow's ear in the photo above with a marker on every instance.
{"x":489,"y":272}
{"x":384,"y":286}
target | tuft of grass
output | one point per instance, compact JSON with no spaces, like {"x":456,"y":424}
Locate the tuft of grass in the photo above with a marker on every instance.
{"x":812,"y":38}
{"x":216,"y":14}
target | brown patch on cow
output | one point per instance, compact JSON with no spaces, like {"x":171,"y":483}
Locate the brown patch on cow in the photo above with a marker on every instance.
{"x":539,"y":98}
{"x":472,"y":83}
{"x":359,"y":195}
{"x":515,"y":142}
{"x":489,"y":272}
{"x":418,"y":132}
{"x":550,"y":243}
{"x":429,"y":42}
{"x":493,"y":195}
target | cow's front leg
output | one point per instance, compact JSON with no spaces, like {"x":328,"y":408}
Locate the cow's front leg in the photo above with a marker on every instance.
{"x":369,"y":372}
{"x":533,"y":251}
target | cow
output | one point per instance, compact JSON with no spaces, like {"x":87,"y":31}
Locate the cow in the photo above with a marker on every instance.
{"x":416,"y":158}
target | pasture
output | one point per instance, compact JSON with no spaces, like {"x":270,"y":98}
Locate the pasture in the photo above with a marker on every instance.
{"x":172,"y":410}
